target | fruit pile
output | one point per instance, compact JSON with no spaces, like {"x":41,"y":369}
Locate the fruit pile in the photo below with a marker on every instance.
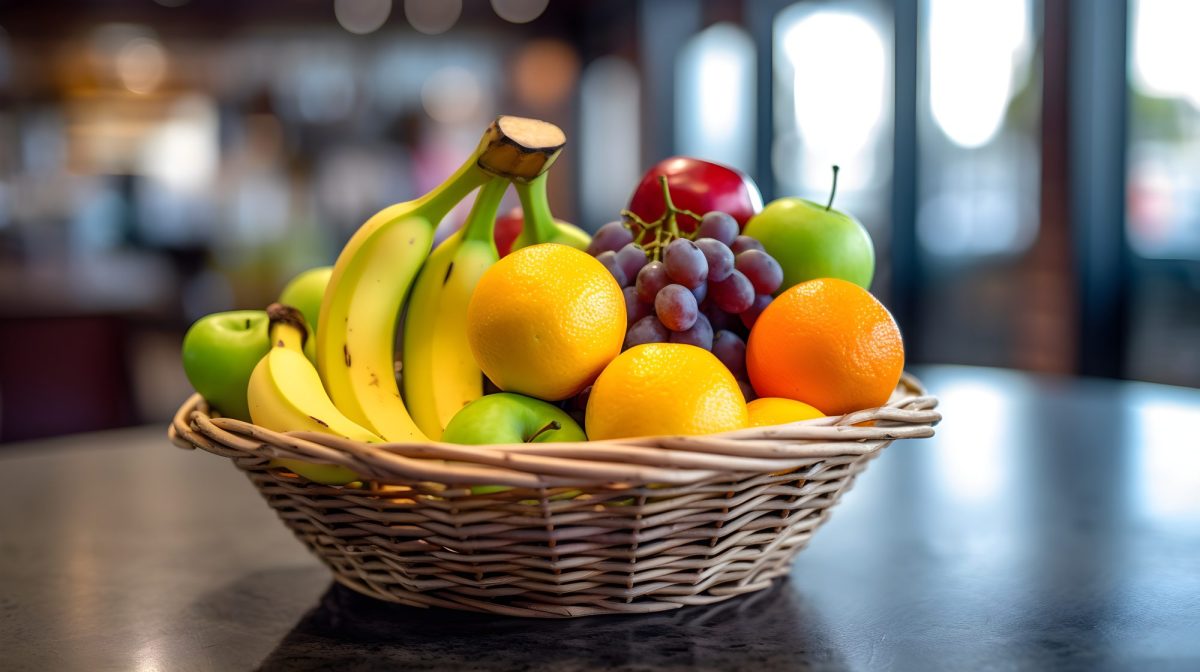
{"x":693,"y":288}
{"x":698,"y":311}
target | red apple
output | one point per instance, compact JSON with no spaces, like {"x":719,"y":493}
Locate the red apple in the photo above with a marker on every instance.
{"x":508,"y":227}
{"x":696,"y":185}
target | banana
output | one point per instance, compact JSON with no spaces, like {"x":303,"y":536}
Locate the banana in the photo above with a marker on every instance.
{"x":440,"y":373}
{"x":356,"y":330}
{"x":540,"y":225}
{"x":285,"y":395}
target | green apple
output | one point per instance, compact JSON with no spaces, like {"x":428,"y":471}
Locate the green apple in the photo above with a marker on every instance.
{"x":812,"y":240}
{"x":505,"y":417}
{"x":220,"y":352}
{"x":305,"y":292}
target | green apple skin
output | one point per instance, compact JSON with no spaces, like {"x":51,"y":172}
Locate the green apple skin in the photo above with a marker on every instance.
{"x":220,"y":352}
{"x":505,"y":417}
{"x":306,"y":291}
{"x":811,"y":242}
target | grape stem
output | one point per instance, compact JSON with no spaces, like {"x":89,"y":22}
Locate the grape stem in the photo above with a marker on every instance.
{"x":664,"y":229}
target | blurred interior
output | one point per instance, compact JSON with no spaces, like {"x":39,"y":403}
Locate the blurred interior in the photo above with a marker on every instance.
{"x":1029,"y":169}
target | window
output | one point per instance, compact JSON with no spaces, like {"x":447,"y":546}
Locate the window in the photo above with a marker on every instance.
{"x":978,"y":129}
{"x":833,"y":105}
{"x":715,"y":97}
{"x":1163,"y":203}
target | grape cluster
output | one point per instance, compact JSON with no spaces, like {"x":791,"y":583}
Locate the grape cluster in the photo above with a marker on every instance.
{"x":705,"y":292}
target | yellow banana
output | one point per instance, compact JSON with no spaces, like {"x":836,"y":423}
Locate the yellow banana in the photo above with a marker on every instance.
{"x":285,"y":395}
{"x":440,"y":374}
{"x":540,"y":225}
{"x":356,"y":331}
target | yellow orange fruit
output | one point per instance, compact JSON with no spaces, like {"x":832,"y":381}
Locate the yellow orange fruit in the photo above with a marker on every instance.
{"x":545,"y":321}
{"x":664,"y":389}
{"x":828,"y":343}
{"x":768,"y":411}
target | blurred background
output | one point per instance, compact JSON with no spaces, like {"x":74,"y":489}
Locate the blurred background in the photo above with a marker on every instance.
{"x":1029,"y":169}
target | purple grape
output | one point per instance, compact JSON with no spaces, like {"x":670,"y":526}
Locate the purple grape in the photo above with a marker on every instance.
{"x":635,"y":309}
{"x":685,"y":263}
{"x":761,"y":270}
{"x":719,"y":257}
{"x":631,"y":258}
{"x":733,"y":294}
{"x":650,"y":281}
{"x":747,"y":390}
{"x":700,"y":335}
{"x":719,"y":225}
{"x":731,"y":350}
{"x":750,"y":315}
{"x":676,"y":307}
{"x":646,"y":330}
{"x":609,"y":259}
{"x":718,"y":318}
{"x":609,"y":238}
{"x":743,"y":243}
{"x":700,"y":292}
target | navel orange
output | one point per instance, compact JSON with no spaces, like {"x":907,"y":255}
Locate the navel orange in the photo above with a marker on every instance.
{"x":828,"y":343}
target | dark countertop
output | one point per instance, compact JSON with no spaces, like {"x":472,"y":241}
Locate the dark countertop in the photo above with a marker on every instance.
{"x":1052,"y":524}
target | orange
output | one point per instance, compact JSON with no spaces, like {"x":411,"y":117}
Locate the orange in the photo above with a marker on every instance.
{"x":664,"y":388}
{"x":828,"y":343}
{"x":768,"y":411}
{"x":545,"y":321}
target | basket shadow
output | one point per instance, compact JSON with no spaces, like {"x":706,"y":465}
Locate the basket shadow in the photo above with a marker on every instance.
{"x":773,"y":627}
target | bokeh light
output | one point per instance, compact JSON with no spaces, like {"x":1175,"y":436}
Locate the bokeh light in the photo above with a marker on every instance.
{"x":544,"y":73}
{"x":362,"y":16}
{"x":141,"y":64}
{"x":452,"y":95}
{"x":519,"y":11}
{"x":432,"y":17}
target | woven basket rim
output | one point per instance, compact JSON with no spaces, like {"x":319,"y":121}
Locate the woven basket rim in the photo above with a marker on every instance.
{"x":667,"y":460}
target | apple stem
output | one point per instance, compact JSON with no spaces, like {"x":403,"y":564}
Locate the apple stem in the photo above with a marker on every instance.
{"x":548,"y":427}
{"x":832,"y":191}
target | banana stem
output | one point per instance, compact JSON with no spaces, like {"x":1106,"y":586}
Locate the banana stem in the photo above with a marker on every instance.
{"x":286,"y":328}
{"x":539,"y":221}
{"x":481,"y":222}
{"x":442,"y":199}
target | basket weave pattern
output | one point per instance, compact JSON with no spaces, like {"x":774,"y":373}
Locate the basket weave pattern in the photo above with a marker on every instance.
{"x":620,"y":526}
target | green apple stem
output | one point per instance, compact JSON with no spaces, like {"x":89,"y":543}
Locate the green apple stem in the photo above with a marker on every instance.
{"x":832,"y":191}
{"x":548,"y":427}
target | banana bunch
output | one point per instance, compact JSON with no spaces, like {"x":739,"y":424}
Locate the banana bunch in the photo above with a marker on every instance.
{"x":356,"y":331}
{"x":285,"y":394}
{"x":440,"y":375}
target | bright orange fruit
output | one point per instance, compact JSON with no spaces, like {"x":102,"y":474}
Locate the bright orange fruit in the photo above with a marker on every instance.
{"x":771,"y":411}
{"x":545,"y":321}
{"x":664,"y":388}
{"x":828,"y":343}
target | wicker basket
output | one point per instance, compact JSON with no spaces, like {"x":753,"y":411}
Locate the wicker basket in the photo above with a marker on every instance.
{"x":620,"y":526}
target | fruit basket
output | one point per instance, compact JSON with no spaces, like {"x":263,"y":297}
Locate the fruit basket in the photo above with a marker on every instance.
{"x":564,"y":529}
